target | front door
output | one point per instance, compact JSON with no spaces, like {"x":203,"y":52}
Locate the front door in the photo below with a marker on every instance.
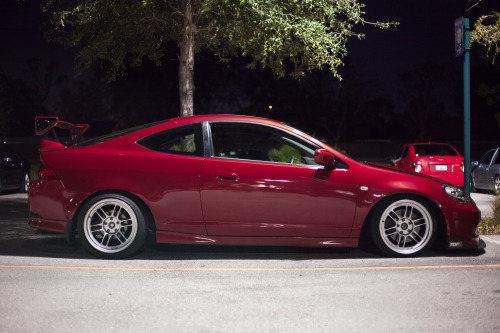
{"x":262,"y":181}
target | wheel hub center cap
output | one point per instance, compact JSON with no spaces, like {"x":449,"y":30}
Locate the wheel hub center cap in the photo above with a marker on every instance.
{"x":110,"y":226}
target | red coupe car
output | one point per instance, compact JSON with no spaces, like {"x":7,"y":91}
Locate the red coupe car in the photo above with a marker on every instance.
{"x":439,"y":160}
{"x":236,"y":180}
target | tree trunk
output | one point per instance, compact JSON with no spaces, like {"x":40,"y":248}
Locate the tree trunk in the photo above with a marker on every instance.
{"x":186,"y":66}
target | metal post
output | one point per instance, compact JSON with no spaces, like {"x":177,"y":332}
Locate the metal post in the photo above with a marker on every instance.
{"x":466,"y":107}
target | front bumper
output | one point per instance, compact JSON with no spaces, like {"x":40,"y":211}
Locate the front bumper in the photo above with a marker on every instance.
{"x":462,"y":221}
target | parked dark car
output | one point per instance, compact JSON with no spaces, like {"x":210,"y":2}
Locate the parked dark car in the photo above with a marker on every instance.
{"x":485,"y":173}
{"x":14,"y":171}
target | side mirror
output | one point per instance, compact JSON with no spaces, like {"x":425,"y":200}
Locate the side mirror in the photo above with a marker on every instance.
{"x":474,"y":163}
{"x":324,"y":157}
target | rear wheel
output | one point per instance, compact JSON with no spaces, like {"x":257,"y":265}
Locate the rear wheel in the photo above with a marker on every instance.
{"x":403,"y":226}
{"x":112,"y":226}
{"x":496,"y":184}
{"x":25,"y":183}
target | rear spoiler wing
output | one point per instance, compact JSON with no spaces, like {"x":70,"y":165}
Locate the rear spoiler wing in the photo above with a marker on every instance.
{"x":44,"y":126}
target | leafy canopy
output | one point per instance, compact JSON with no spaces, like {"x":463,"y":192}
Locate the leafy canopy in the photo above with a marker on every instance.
{"x":487,"y":35}
{"x":287,"y":36}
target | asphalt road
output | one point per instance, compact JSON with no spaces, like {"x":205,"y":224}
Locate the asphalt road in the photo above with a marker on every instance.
{"x":47,"y":285}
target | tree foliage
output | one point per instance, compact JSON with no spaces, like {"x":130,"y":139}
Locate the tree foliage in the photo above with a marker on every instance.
{"x":291,"y":36}
{"x":488,"y":35}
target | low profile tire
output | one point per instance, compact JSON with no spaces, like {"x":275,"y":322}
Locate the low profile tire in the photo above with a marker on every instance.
{"x":112,"y":226}
{"x":403,"y":226}
{"x":25,"y":183}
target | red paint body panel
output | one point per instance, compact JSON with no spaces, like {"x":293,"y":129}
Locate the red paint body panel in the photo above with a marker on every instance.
{"x":214,"y":200}
{"x":275,"y":199}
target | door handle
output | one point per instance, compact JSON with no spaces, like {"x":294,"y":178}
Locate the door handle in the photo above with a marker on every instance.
{"x":227,"y":176}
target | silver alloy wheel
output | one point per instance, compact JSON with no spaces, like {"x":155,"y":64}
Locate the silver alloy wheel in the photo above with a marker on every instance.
{"x":497,"y":184}
{"x":110,"y":225}
{"x":26,"y":183}
{"x":406,"y":226}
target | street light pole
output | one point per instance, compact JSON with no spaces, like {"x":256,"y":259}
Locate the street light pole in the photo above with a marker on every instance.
{"x":466,"y":107}
{"x":462,"y":47}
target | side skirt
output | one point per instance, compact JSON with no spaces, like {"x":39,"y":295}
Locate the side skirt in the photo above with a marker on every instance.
{"x":179,"y":238}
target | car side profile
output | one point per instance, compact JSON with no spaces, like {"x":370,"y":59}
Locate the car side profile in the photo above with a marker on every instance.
{"x":440,"y":160}
{"x":236,"y":180}
{"x":485,"y":173}
{"x":14,"y":171}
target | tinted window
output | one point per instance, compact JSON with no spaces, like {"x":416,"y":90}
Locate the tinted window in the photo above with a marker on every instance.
{"x":117,"y":134}
{"x":183,"y":140}
{"x":486,"y":159}
{"x":434,"y":150}
{"x":260,"y":143}
{"x":497,"y":160}
{"x":405,"y":152}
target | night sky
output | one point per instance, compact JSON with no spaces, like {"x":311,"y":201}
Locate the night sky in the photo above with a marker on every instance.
{"x":375,"y":68}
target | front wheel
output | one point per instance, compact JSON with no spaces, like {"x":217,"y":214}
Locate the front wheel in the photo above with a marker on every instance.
{"x":112,"y":226}
{"x":403,"y":226}
{"x":496,"y":184}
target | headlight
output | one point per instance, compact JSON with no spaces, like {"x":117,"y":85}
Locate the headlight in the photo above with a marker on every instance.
{"x":457,"y":194}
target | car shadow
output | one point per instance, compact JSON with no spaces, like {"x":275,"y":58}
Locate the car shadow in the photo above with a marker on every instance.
{"x":34,"y":243}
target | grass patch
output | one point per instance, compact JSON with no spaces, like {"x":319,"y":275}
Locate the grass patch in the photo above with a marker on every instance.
{"x":34,"y":171}
{"x":491,"y":225}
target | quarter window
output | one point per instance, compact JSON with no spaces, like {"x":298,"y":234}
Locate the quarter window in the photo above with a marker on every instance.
{"x":183,"y":140}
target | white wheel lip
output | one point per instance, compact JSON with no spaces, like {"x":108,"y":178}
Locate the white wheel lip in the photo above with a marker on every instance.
{"x":422,"y":210}
{"x":93,"y":241}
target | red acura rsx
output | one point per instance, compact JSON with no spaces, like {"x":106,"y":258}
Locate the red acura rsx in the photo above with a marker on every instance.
{"x":235,"y":180}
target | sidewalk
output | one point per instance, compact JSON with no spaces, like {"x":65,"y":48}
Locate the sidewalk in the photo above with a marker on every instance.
{"x":484,"y":203}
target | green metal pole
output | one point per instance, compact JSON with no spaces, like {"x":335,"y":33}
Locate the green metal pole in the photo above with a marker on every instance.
{"x":466,"y":107}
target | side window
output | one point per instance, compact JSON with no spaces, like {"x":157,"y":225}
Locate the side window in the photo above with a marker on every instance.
{"x":486,"y":159}
{"x":259,"y":143}
{"x":497,"y":160}
{"x":184,"y":140}
{"x":404,"y":154}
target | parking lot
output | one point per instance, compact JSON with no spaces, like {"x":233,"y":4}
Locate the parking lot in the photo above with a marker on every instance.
{"x":50,"y":285}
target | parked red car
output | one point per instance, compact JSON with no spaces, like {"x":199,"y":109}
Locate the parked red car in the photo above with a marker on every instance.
{"x":438,"y":160}
{"x":236,"y":180}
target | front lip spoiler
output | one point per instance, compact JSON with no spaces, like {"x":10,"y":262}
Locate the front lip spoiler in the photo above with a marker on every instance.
{"x":474,"y":244}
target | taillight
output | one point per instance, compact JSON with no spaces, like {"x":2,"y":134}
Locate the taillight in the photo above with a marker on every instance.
{"x":47,"y":174}
{"x":417,"y":166}
{"x":462,"y":167}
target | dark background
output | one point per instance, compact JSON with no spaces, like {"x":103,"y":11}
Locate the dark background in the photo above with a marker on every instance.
{"x":403,"y":84}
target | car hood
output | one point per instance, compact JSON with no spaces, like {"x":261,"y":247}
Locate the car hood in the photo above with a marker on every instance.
{"x":399,"y":170}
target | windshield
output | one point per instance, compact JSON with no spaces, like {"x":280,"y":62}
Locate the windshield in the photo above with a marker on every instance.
{"x":117,"y":134}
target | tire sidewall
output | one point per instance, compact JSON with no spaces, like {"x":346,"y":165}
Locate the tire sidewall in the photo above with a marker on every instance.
{"x":140,"y":237}
{"x":24,"y":188}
